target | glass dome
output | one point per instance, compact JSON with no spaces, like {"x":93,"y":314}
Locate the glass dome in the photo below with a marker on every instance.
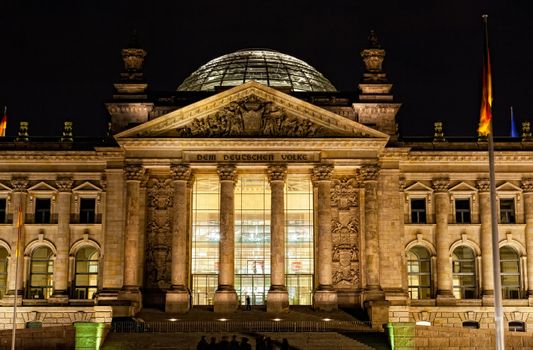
{"x":265,"y":66}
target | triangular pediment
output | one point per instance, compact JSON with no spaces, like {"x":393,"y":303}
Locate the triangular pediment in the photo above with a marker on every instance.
{"x":462,"y":187}
{"x":42,"y":186}
{"x":87,"y":187}
{"x":508,"y":187}
{"x":4,"y":188}
{"x":251,"y":110}
{"x":418,"y":187}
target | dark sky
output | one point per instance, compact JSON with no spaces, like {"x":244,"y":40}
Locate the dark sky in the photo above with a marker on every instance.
{"x":60,"y":58}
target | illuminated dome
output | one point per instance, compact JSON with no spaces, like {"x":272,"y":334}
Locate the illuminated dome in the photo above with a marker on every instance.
{"x":265,"y":66}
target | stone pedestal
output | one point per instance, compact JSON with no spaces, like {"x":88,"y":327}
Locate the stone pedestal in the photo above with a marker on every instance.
{"x":226,"y":300}
{"x":325,"y":300}
{"x":178,"y":301}
{"x":378,"y":313}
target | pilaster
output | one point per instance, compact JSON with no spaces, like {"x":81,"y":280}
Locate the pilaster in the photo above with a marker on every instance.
{"x":527,"y":187}
{"x":483,"y":186}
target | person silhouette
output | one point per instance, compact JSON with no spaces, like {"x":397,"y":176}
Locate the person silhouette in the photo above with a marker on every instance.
{"x":285,"y":344}
{"x":244,"y":344}
{"x":202,"y":344}
{"x":213,"y":344}
{"x":248,"y":306}
{"x":234,"y":344}
{"x":224,"y":344}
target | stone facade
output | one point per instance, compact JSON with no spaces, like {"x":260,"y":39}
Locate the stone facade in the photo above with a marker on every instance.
{"x":378,"y":200}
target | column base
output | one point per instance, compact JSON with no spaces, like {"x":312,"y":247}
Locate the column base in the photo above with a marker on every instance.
{"x":178,"y":301}
{"x":278,"y":300}
{"x":325,"y":300}
{"x":378,"y":312}
{"x":59,"y":297}
{"x":487,"y":299}
{"x":133,"y":294}
{"x":9,"y":298}
{"x":373,"y":293}
{"x":226,"y":301}
{"x":445,"y":298}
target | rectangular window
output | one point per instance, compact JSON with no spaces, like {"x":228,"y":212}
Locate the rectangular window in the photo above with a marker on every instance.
{"x":462,"y":211}
{"x":507,"y":211}
{"x":87,"y":210}
{"x":418,"y":211}
{"x":3,"y":211}
{"x":42,"y":210}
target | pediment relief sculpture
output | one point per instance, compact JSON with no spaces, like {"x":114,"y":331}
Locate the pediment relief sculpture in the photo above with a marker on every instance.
{"x":252,"y":117}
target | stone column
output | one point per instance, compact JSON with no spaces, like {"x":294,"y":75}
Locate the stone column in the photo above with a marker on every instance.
{"x":325,"y":296}
{"x":62,"y":242}
{"x":130,"y":289}
{"x":444,"y":266}
{"x":527,"y":187}
{"x":373,"y":290}
{"x":178,"y":296}
{"x":18,"y":200}
{"x":278,"y":298}
{"x":225,"y":295}
{"x":483,"y":186}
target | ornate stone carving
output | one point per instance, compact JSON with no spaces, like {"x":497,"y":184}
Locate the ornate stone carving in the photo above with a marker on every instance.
{"x":527,"y":185}
{"x":250,"y":116}
{"x":440,"y":184}
{"x":134,"y":172}
{"x":227,"y":172}
{"x":158,"y":233}
{"x":401,"y":183}
{"x":103,"y":182}
{"x":64,"y":184}
{"x":19,"y":184}
{"x":277,"y":173}
{"x":345,"y":252}
{"x":370,"y":172}
{"x":180,"y":172}
{"x":483,"y":185}
{"x":345,"y":193}
{"x":322,"y":172}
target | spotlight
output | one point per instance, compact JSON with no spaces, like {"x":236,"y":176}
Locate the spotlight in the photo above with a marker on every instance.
{"x":326,"y":319}
{"x":276,"y":319}
{"x":172,"y":319}
{"x":222,"y":319}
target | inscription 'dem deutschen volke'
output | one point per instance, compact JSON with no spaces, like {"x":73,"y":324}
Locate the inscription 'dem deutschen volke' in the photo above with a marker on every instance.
{"x":253,"y":157}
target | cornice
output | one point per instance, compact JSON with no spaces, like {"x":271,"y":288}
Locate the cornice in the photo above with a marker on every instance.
{"x":479,"y":156}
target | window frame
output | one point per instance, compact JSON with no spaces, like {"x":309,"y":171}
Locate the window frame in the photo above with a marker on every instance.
{"x":86,"y":190}
{"x":507,"y":290}
{"x":475,"y":274}
{"x":50,"y":266}
{"x":428,"y":273}
{"x":46,"y":214}
{"x":412,"y":211}
{"x":513,"y":211}
{"x":94,"y":213}
{"x":467,"y":212}
{"x":75,"y":286}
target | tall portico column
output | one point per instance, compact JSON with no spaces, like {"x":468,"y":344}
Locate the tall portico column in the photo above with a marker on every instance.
{"x":483,"y":186}
{"x":225,"y":295}
{"x":18,"y":200}
{"x":130,"y":290}
{"x":178,"y":297}
{"x":325,"y":296}
{"x":60,"y":294}
{"x":370,"y":175}
{"x":444,"y":266}
{"x":278,"y":298}
{"x":527,"y":187}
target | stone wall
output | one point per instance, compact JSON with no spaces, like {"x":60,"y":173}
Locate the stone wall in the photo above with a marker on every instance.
{"x":454,"y":316}
{"x":54,"y":316}
{"x":40,"y":338}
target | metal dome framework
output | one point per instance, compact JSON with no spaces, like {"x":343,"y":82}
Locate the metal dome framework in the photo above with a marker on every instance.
{"x":265,"y":66}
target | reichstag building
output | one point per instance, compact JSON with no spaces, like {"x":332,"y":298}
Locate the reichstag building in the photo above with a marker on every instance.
{"x":257,"y":179}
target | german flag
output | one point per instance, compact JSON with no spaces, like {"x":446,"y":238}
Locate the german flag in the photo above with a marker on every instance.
{"x":485,"y":114}
{"x":3,"y":123}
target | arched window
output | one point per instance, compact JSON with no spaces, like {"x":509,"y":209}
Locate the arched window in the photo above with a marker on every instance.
{"x":41,"y":273}
{"x":510,"y":272}
{"x":3,"y":271}
{"x":464,"y":273}
{"x":419,"y":273}
{"x":86,"y":274}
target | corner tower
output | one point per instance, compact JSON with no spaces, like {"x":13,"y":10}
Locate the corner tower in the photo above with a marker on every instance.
{"x":375,"y":106}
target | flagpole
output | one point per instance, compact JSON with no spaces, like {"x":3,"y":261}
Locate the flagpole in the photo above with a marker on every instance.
{"x":17,"y":253}
{"x":498,"y":309}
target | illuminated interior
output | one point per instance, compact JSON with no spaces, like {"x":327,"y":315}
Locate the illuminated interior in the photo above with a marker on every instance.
{"x":86,"y":275}
{"x":41,"y":274}
{"x":419,"y":273}
{"x":464,"y":273}
{"x":510,"y":273}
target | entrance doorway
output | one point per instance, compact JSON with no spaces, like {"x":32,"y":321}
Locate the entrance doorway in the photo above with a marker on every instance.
{"x":254,"y":286}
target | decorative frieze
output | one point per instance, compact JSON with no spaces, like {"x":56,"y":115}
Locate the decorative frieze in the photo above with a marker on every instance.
{"x":227,"y":172}
{"x":277,"y":173}
{"x":180,"y":172}
{"x":527,"y":185}
{"x":345,"y":193}
{"x":370,"y":172}
{"x":19,"y":184}
{"x":134,"y":172}
{"x":440,"y":184}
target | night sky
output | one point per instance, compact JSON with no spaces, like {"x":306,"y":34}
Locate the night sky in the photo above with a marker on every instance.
{"x":60,"y":58}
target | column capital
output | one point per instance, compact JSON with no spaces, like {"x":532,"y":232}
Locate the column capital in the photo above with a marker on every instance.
{"x":64,"y":183}
{"x":277,"y":172}
{"x":227,"y":172}
{"x":19,"y":184}
{"x":370,"y":172}
{"x":322,"y":172}
{"x":180,"y":172}
{"x":483,"y":185}
{"x":527,"y":185}
{"x":134,"y":172}
{"x":441,"y":184}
